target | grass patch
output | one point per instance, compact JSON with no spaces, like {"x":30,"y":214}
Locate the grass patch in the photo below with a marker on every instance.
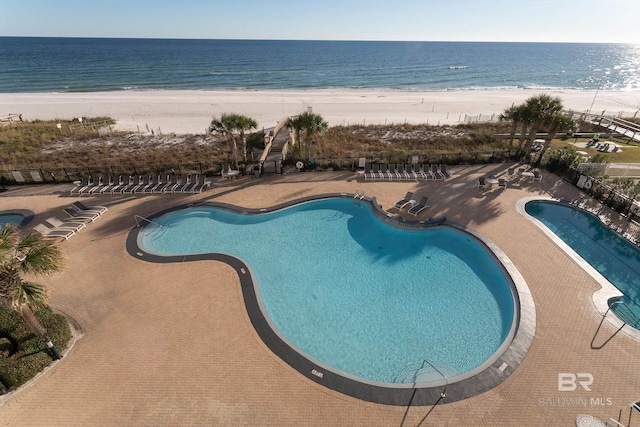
{"x":32,"y":355}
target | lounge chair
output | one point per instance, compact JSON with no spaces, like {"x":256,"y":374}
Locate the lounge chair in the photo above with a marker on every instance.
{"x":158,"y":185}
{"x":375,"y":168}
{"x":80,"y":216}
{"x":96,"y":187}
{"x":153,"y":183}
{"x":176,"y":183}
{"x":405,"y":172}
{"x":118,"y":186}
{"x":415,"y":174}
{"x":132,"y":188}
{"x":107,"y":186}
{"x":199,"y":188}
{"x":56,"y":223}
{"x":367,"y":171}
{"x":82,"y":207}
{"x":53,"y":233}
{"x":147,"y":183}
{"x":165,"y":188}
{"x":436,"y":173}
{"x":426,"y":173}
{"x":408,"y":200}
{"x":422,"y":205}
{"x":182,"y":187}
{"x":390,"y":172}
{"x":121,"y":188}
{"x":91,"y":184}
{"x":382,"y":173}
{"x":443,"y":171}
{"x":81,"y":186}
{"x":189,"y":187}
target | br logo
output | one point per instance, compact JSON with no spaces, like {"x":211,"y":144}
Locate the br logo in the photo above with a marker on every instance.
{"x":568,"y":381}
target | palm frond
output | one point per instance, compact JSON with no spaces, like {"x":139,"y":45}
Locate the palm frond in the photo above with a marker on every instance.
{"x":8,"y":238}
{"x":38,"y":255}
{"x":32,"y":294}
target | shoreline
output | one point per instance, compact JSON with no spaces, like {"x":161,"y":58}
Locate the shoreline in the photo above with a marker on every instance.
{"x":191,"y":111}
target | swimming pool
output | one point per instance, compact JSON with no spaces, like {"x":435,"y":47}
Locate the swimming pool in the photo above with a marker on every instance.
{"x":615,"y":258}
{"x":15,"y":217}
{"x":354,"y":295}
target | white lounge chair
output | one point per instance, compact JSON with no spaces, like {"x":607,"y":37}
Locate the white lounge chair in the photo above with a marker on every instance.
{"x":422,"y":205}
{"x":81,"y":207}
{"x":56,"y":223}
{"x":53,"y":233}
{"x":408,"y":200}
{"x":80,"y":216}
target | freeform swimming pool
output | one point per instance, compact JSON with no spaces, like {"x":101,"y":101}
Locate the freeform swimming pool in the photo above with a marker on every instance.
{"x":355,"y":295}
{"x":612,"y":256}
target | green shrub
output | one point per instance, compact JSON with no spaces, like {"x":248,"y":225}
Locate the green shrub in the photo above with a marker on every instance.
{"x":32,"y":355}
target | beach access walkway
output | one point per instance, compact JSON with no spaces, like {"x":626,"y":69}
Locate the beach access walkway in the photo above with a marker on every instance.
{"x":272,"y":163}
{"x":612,"y":123}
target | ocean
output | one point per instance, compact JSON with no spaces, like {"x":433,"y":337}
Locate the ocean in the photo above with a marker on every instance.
{"x":33,"y":64}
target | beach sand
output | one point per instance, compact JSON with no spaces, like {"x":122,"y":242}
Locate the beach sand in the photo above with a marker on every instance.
{"x":190,"y":112}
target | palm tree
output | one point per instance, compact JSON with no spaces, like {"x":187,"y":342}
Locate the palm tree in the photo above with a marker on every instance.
{"x":310,"y":123}
{"x":514,"y":114}
{"x":541,"y":109}
{"x":228,"y":125}
{"x":26,"y":254}
{"x":556,"y":123}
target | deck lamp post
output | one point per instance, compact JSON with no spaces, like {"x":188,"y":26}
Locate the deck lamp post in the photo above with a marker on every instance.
{"x":54,"y":351}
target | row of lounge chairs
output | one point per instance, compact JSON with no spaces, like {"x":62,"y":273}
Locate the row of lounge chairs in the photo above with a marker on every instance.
{"x":152,"y":184}
{"x":414,"y":208}
{"x":78,"y":216}
{"x":405,"y":172}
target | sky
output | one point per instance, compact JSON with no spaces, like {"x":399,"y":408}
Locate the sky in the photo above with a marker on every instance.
{"x":603,"y":21}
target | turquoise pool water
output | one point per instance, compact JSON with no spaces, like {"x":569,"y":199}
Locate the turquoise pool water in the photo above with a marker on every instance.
{"x":612,"y":256}
{"x":354,"y":293}
{"x":13,"y":219}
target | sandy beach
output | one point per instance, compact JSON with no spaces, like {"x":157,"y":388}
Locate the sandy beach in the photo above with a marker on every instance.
{"x":190,"y":111}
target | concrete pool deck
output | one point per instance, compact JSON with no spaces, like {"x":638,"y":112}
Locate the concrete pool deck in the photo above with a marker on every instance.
{"x":171,"y":344}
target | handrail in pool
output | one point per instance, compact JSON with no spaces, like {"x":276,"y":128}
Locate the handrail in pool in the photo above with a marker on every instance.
{"x":629,"y":312}
{"x":443,"y":393}
{"x":138,"y":217}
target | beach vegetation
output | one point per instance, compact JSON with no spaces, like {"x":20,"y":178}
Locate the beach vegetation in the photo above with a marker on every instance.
{"x":537,"y":113}
{"x":234,"y":126}
{"x":70,"y":156}
{"x":309,"y":124}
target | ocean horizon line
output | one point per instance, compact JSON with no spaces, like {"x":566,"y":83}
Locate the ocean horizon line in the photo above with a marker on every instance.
{"x":318,"y":40}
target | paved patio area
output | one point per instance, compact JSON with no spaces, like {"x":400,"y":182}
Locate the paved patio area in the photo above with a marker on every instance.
{"x":171,"y":344}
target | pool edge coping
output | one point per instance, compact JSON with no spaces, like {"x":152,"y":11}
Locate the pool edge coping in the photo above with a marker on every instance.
{"x":599,"y":298}
{"x":490,"y":374}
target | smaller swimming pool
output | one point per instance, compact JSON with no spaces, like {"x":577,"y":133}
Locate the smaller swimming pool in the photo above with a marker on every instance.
{"x":615,"y":258}
{"x":19,"y":217}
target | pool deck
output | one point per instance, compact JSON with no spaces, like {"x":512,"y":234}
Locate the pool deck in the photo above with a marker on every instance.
{"x":172,"y":344}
